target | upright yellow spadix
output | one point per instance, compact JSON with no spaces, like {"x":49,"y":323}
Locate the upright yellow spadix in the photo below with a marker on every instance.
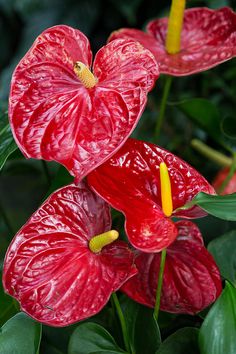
{"x":85,"y":75}
{"x":97,"y":243}
{"x":175,"y":22}
{"x":166,"y":195}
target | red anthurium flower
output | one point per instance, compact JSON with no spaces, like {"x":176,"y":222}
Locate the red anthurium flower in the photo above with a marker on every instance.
{"x":208,"y":38}
{"x":130,"y":182}
{"x":55,"y":267}
{"x":59,"y":110}
{"x":219,"y":180}
{"x":191,"y":279}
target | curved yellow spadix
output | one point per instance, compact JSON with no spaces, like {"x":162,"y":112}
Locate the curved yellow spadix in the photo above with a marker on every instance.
{"x":97,"y":243}
{"x":166,"y":194}
{"x":85,"y":75}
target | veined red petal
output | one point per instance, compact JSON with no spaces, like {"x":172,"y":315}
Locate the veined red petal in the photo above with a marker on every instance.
{"x":49,"y":267}
{"x":54,"y":117}
{"x":130,"y":182}
{"x":125,"y":65}
{"x":208,"y":38}
{"x":191,"y":278}
{"x":146,"y":39}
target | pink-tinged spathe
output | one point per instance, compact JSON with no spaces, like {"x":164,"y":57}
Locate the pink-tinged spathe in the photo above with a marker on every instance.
{"x":208,"y":38}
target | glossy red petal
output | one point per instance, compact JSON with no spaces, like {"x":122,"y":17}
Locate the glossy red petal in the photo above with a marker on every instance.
{"x":146,"y":39}
{"x":219,"y":180}
{"x":191,"y":278}
{"x":125,"y":65}
{"x":208,"y":38}
{"x":130,"y":182}
{"x":49,"y":267}
{"x":54,"y":117}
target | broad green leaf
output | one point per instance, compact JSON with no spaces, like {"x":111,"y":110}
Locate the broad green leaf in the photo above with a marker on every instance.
{"x":7,"y":144}
{"x":183,"y":341}
{"x":220,"y":206}
{"x":20,"y":334}
{"x":217,"y":334}
{"x":92,"y":338}
{"x":223,"y":249}
{"x":143,"y":329}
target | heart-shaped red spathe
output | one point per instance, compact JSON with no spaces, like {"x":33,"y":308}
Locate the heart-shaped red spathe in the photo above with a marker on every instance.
{"x":54,"y":117}
{"x":130,"y":182}
{"x":191,"y":279}
{"x":208,"y":38}
{"x":49,"y":267}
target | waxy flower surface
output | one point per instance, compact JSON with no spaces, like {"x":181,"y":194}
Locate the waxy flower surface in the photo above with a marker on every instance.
{"x":191,"y":279}
{"x":208,"y":38}
{"x":130,"y":182}
{"x":50,"y":267}
{"x":60,"y":110}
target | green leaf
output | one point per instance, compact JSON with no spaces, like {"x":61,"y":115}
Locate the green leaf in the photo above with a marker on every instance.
{"x":92,"y":338}
{"x":220,"y":206}
{"x":217,"y":334}
{"x":183,"y":341}
{"x":7,"y":144}
{"x":21,"y":334}
{"x":223,"y":249}
{"x":141,"y":325}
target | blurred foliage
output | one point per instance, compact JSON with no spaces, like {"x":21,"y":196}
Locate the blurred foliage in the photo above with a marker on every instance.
{"x":20,"y":179}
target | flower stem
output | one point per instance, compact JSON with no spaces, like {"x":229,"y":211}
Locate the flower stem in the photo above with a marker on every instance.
{"x":159,"y":284}
{"x":163,"y":106}
{"x":122,"y":321}
{"x":230,"y":174}
{"x":211,"y":154}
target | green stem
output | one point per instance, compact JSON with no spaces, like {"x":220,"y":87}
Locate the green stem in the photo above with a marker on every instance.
{"x":122,"y":321}
{"x":159,"y":284}
{"x":163,"y":106}
{"x":46,"y":172}
{"x":211,"y":154}
{"x":230,"y":174}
